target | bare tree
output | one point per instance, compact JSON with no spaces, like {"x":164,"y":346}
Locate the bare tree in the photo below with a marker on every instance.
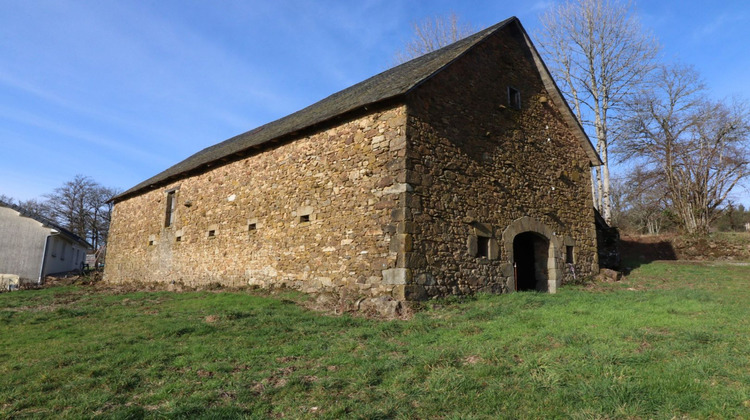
{"x":32,"y":207}
{"x":695,"y":147}
{"x":81,"y":205}
{"x":36,"y":208}
{"x":646,"y":201}
{"x":599,"y":54}
{"x":433,"y":34}
{"x":100,"y":214}
{"x":70,"y":204}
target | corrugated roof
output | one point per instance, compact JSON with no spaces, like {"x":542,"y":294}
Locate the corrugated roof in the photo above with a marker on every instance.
{"x":387,"y":85}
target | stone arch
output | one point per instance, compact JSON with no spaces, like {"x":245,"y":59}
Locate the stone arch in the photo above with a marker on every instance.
{"x":554,"y":267}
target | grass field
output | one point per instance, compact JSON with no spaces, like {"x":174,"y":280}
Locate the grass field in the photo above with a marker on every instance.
{"x":670,"y":341}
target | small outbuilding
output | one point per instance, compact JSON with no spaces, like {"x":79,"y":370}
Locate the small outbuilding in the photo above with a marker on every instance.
{"x":32,"y":247}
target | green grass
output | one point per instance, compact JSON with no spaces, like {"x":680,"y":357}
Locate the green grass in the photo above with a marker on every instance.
{"x":670,"y":341}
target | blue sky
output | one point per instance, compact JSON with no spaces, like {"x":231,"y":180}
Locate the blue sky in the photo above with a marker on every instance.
{"x":121,"y":90}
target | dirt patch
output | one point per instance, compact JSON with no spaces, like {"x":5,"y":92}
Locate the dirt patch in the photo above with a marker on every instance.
{"x":472,"y":360}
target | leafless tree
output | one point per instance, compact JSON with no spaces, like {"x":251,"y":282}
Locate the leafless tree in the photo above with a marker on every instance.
{"x":645,"y":200}
{"x":32,"y":207}
{"x":6,"y":199}
{"x":36,"y":208}
{"x":100,"y":214}
{"x":697,"y":148}
{"x":70,"y":204}
{"x":433,"y":34}
{"x":82,"y":206}
{"x":599,"y":54}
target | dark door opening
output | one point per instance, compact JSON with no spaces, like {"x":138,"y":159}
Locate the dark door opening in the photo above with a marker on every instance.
{"x":530,"y":255}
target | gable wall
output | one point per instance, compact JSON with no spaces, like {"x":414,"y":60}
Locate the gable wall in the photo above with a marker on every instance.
{"x":478,"y":166}
{"x":348,"y":179}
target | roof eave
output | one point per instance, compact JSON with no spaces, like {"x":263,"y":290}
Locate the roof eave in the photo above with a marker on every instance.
{"x":562,"y":104}
{"x":149,"y":185}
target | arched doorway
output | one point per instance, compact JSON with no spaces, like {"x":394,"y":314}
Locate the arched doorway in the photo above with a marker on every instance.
{"x":530,"y":259}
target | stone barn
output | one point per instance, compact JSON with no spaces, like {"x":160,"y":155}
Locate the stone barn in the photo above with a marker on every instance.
{"x":461,"y":171}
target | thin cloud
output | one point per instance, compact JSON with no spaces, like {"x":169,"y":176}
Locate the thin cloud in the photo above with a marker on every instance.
{"x":59,"y":131}
{"x":540,"y":6}
{"x":717,"y":24}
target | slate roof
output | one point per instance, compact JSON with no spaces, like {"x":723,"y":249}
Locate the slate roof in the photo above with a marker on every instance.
{"x":387,"y":85}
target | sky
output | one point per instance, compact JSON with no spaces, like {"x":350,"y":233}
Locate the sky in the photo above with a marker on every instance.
{"x":121,"y":90}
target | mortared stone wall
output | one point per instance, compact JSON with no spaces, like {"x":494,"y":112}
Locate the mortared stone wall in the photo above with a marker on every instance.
{"x":314,"y":213}
{"x":478,"y":167}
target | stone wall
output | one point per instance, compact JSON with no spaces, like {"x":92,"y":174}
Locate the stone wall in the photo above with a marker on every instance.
{"x":482,"y":171}
{"x":314,"y":213}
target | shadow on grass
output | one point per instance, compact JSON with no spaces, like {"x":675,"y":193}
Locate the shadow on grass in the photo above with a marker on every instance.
{"x":637,"y":253}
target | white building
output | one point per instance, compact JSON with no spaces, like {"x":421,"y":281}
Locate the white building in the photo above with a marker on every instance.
{"x":32,"y":248}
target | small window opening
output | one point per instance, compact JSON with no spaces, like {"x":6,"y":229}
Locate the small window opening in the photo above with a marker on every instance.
{"x":178,"y":239}
{"x":252,"y":226}
{"x":483,"y":247}
{"x":150,"y":243}
{"x":569,"y":255}
{"x":514,"y":98}
{"x":304,"y":218}
{"x":169,"y":219}
{"x":211,"y":233}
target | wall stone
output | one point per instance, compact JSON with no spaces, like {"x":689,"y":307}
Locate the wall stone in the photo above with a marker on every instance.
{"x":318,"y":213}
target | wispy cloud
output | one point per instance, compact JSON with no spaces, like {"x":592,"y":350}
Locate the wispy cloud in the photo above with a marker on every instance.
{"x":58,"y":132}
{"x":540,"y":6}
{"x":717,"y":24}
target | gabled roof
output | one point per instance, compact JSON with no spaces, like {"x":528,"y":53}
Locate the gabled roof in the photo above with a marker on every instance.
{"x":387,"y":85}
{"x":47,"y":223}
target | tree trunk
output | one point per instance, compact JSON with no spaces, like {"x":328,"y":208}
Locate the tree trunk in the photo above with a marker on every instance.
{"x":606,"y":199}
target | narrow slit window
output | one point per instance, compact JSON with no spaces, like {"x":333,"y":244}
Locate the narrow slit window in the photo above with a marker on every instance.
{"x":483,"y":247}
{"x":514,"y":98}
{"x":169,"y":219}
{"x":569,"y":254}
